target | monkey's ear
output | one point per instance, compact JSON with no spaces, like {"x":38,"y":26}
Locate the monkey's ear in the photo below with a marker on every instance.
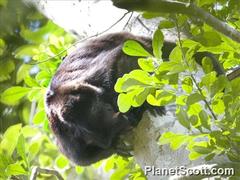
{"x":76,"y":87}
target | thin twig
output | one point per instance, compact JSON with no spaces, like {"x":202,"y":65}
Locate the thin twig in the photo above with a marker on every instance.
{"x":192,"y":76}
{"x":130,"y":17}
{"x":81,"y":40}
{"x":140,"y":21}
{"x":38,"y":170}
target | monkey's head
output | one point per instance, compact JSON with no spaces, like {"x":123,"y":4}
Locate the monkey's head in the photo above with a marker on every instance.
{"x":85,"y":125}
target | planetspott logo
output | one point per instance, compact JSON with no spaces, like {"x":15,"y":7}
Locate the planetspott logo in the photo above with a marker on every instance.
{"x":204,"y":170}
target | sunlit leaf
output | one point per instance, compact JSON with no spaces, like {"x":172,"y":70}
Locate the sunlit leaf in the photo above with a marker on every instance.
{"x":124,"y":103}
{"x":146,"y":64}
{"x":12,"y":95}
{"x":183,"y":117}
{"x":22,"y":72}
{"x":9,"y":67}
{"x":187,"y":85}
{"x":157,"y":43}
{"x":62,"y":162}
{"x":166,"y":24}
{"x":79,"y":169}
{"x":133,"y":48}
{"x":193,"y":98}
{"x":10,"y":138}
{"x":15,"y":169}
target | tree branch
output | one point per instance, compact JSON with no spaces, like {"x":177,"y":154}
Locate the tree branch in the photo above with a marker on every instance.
{"x":162,"y":6}
{"x":38,"y":170}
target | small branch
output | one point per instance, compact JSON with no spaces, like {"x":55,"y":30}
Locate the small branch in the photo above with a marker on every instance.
{"x":192,"y":76}
{"x":162,"y":6}
{"x":218,"y":25}
{"x":38,"y":170}
{"x":143,"y":25}
{"x":130,"y":17}
{"x":234,"y":74}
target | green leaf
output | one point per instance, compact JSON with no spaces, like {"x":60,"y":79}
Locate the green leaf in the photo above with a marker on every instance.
{"x":43,"y":75}
{"x":135,"y":79}
{"x":161,"y":98}
{"x":176,"y":55}
{"x":193,"y":98}
{"x":2,"y":44}
{"x":109,"y":164}
{"x":128,"y":85}
{"x":165,"y":24}
{"x":39,"y":117}
{"x":79,"y":169}
{"x":175,"y":140}
{"x":133,"y":48}
{"x":187,"y":85}
{"x":22,"y":72}
{"x":39,"y":35}
{"x":26,"y":50}
{"x":194,"y":109}
{"x":183,"y":117}
{"x":166,"y":137}
{"x":120,"y":173}
{"x":146,"y":64}
{"x":210,"y":38}
{"x":9,"y":67}
{"x":124,"y":103}
{"x":33,"y":149}
{"x":21,"y":148}
{"x":139,"y":97}
{"x":62,"y":162}
{"x":194,"y":120}
{"x":218,"y":106}
{"x":219,"y":85}
{"x":208,"y":79}
{"x":193,"y":155}
{"x":12,"y":95}
{"x":181,"y":100}
{"x":207,"y":65}
{"x":157,"y":43}
{"x":35,"y":94}
{"x":204,"y":119}
{"x":45,"y":160}
{"x":15,"y":169}
{"x":29,"y":131}
{"x":166,"y":66}
{"x":10,"y":139}
{"x":53,"y":49}
{"x":30,"y":81}
{"x":188,"y":43}
{"x":205,"y":2}
{"x":202,"y":149}
{"x":210,"y":157}
{"x":150,"y":15}
{"x":179,"y":141}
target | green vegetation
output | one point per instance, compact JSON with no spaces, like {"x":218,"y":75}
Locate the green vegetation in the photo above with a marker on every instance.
{"x":31,"y":48}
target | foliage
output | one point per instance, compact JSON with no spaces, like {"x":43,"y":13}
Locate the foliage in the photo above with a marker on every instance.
{"x":206,"y":104}
{"x":28,"y":69}
{"x":31,"y":48}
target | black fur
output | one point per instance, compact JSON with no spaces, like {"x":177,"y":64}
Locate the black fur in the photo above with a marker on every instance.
{"x":81,"y":103}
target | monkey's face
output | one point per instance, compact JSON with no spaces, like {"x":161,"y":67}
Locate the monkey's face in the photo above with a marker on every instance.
{"x":86,"y":127}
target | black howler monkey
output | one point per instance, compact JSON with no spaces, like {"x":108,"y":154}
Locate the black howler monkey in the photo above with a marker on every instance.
{"x":81,"y":103}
